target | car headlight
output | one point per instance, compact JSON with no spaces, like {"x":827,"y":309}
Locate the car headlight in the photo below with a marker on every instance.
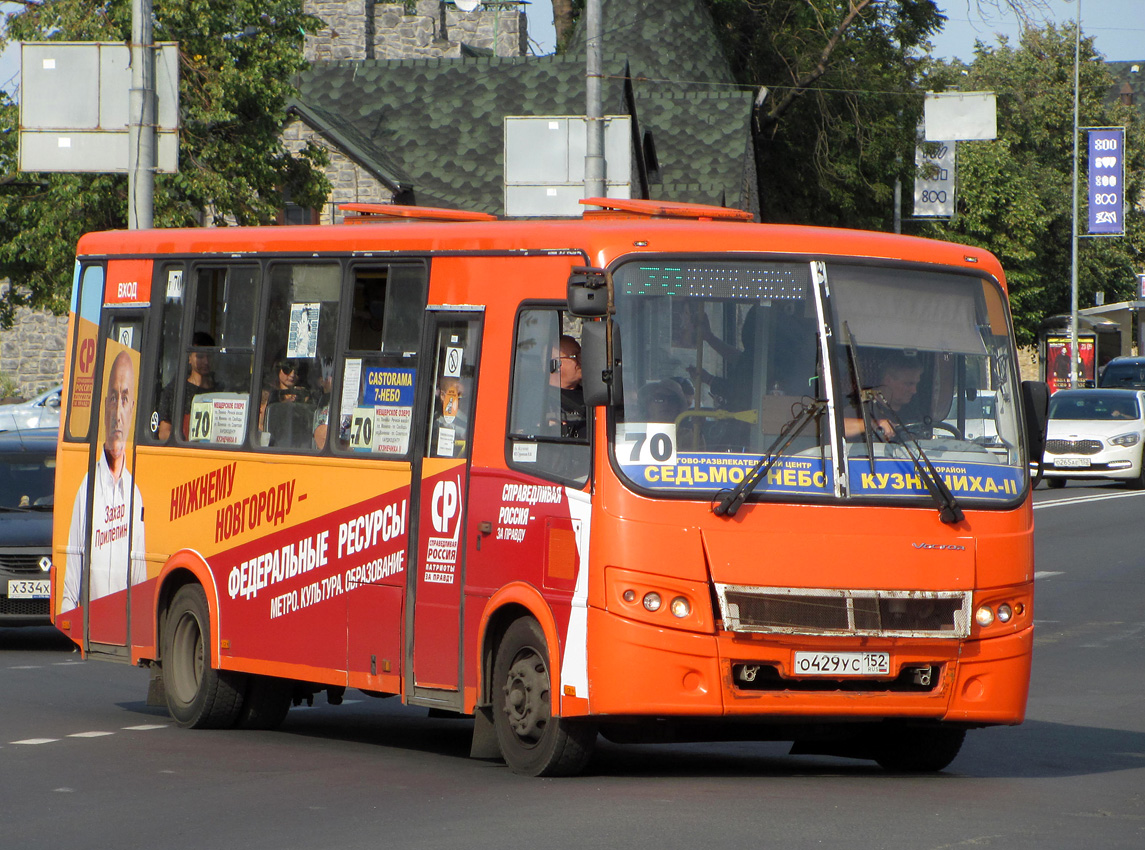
{"x":1125,"y":440}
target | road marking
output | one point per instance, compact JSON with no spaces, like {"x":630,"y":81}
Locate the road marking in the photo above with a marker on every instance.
{"x":66,"y":663}
{"x":27,"y":667}
{"x":1077,"y":500}
{"x":89,"y":734}
{"x":1047,"y":573}
{"x":146,"y":726}
{"x":36,"y":741}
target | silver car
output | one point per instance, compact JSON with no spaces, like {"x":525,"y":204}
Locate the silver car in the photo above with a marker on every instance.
{"x":41,"y":412}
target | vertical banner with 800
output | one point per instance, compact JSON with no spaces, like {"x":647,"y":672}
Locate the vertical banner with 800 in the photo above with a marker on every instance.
{"x":1106,"y":182}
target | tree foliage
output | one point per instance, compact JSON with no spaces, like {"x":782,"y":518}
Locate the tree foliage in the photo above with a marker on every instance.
{"x":1014,"y":194}
{"x":236,"y":61}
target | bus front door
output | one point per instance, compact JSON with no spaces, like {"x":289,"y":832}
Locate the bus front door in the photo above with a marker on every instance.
{"x":107,"y":521}
{"x":442,"y":484}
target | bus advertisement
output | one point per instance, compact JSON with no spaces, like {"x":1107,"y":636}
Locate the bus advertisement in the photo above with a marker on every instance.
{"x":405,"y":455}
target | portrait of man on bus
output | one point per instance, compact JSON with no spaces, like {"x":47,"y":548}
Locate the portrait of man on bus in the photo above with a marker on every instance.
{"x":116,"y":533}
{"x":451,"y":423}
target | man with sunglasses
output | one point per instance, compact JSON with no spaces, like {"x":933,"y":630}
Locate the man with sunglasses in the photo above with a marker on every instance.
{"x":564,"y":372}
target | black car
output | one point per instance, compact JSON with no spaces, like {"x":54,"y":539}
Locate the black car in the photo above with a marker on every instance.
{"x":27,"y":485}
{"x":1125,"y":373}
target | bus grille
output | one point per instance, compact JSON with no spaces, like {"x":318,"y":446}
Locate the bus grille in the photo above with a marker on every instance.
{"x":1079,"y":447}
{"x":814,"y":611}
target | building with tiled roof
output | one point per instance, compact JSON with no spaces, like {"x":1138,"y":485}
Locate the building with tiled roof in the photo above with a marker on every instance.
{"x":431,"y":132}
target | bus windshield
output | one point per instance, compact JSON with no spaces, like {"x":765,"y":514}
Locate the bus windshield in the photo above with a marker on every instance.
{"x":727,"y":362}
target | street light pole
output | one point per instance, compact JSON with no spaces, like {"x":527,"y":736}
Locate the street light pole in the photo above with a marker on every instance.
{"x":1073,"y":356}
{"x":141,"y":152}
{"x":594,"y":110}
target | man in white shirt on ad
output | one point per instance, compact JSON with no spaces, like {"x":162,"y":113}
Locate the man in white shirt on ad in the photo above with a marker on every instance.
{"x":115,"y":498}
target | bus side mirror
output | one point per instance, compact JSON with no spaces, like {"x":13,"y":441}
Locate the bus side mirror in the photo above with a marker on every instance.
{"x":1035,"y":413}
{"x":588,"y":292}
{"x":599,"y":381}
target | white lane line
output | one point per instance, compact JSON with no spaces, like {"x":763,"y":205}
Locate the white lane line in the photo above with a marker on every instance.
{"x":66,"y":663}
{"x":89,"y":734}
{"x":27,"y":667}
{"x":1077,"y":500}
{"x":36,"y":741}
{"x":1047,"y":573}
{"x":146,"y":726}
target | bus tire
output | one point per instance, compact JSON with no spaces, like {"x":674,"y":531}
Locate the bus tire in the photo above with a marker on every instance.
{"x":198,"y":696}
{"x":1056,"y":483}
{"x":532,"y":741}
{"x":265,"y":703}
{"x":918,"y":749}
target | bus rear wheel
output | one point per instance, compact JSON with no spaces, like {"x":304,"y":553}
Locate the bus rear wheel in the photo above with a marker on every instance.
{"x":532,"y":741}
{"x":198,"y":696}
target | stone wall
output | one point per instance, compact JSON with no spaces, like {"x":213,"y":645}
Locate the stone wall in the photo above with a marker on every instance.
{"x":32,"y":350}
{"x":372,"y":29}
{"x":351,"y":183}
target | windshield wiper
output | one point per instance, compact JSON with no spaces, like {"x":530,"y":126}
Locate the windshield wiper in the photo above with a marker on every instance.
{"x":731,"y":501}
{"x":949,"y":510}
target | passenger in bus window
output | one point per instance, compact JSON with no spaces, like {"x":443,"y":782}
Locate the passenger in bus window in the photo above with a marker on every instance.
{"x":116,"y":504}
{"x":286,"y":383}
{"x":325,"y":390}
{"x":565,"y":373}
{"x":200,"y":379}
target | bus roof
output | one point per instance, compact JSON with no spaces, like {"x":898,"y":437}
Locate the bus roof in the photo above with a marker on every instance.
{"x":631,"y":228}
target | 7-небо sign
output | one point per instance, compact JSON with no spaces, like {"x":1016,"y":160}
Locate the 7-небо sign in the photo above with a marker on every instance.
{"x":1106,"y":182}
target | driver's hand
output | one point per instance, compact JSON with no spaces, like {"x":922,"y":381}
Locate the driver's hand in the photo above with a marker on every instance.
{"x":886,"y":428}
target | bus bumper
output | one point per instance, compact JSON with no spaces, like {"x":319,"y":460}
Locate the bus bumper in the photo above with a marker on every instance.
{"x":636,"y":669}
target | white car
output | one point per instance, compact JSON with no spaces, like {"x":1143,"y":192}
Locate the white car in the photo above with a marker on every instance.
{"x":41,"y":412}
{"x":1096,"y":433}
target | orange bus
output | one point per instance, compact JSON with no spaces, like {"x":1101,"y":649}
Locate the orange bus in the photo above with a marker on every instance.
{"x":569,"y":478}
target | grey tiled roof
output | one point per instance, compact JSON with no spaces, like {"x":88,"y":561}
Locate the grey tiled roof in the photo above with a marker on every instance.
{"x":436,"y":125}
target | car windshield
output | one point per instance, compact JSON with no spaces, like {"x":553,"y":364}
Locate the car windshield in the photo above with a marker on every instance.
{"x":27,"y":479}
{"x":725,"y":362}
{"x":1094,"y":406}
{"x":1130,"y":375}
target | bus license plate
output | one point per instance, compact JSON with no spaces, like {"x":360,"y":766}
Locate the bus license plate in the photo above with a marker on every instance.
{"x":26,"y":588}
{"x":1071,"y":462}
{"x":842,"y":663}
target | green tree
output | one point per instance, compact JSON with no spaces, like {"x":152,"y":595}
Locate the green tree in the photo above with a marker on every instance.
{"x":236,"y":62}
{"x":840,"y":100}
{"x":1015,"y":193}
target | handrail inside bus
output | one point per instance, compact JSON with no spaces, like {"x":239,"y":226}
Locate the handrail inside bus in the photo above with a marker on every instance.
{"x":371,"y":213}
{"x":662,"y":209}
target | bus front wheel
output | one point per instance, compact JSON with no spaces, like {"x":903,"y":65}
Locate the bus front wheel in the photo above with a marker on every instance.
{"x":198,"y":696}
{"x":532,"y":740}
{"x":918,"y":749}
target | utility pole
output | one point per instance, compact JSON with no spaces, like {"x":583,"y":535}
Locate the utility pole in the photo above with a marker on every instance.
{"x":594,"y":110}
{"x":141,"y":154}
{"x":1073,"y":355}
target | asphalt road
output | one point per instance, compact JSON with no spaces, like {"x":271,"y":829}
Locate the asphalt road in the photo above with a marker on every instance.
{"x":84,"y":763}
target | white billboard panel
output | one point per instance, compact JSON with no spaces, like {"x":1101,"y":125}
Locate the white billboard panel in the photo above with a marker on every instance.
{"x":961,"y":116}
{"x":72,"y":92}
{"x":934,"y":193}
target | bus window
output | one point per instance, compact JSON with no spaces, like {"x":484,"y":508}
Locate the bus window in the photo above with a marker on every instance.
{"x":374,"y":407}
{"x":548,"y":425}
{"x":299,"y":344}
{"x":161,"y":401}
{"x":87,"y":299}
{"x":220,"y":351}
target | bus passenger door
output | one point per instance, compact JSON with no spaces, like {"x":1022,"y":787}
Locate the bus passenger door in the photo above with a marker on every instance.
{"x":107,"y":516}
{"x":442,"y":485}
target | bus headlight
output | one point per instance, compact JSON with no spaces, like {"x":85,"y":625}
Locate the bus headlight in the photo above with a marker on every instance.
{"x":1005,"y":613}
{"x":680,"y":607}
{"x":652,"y":601}
{"x":984,"y":616}
{"x":664,"y":601}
